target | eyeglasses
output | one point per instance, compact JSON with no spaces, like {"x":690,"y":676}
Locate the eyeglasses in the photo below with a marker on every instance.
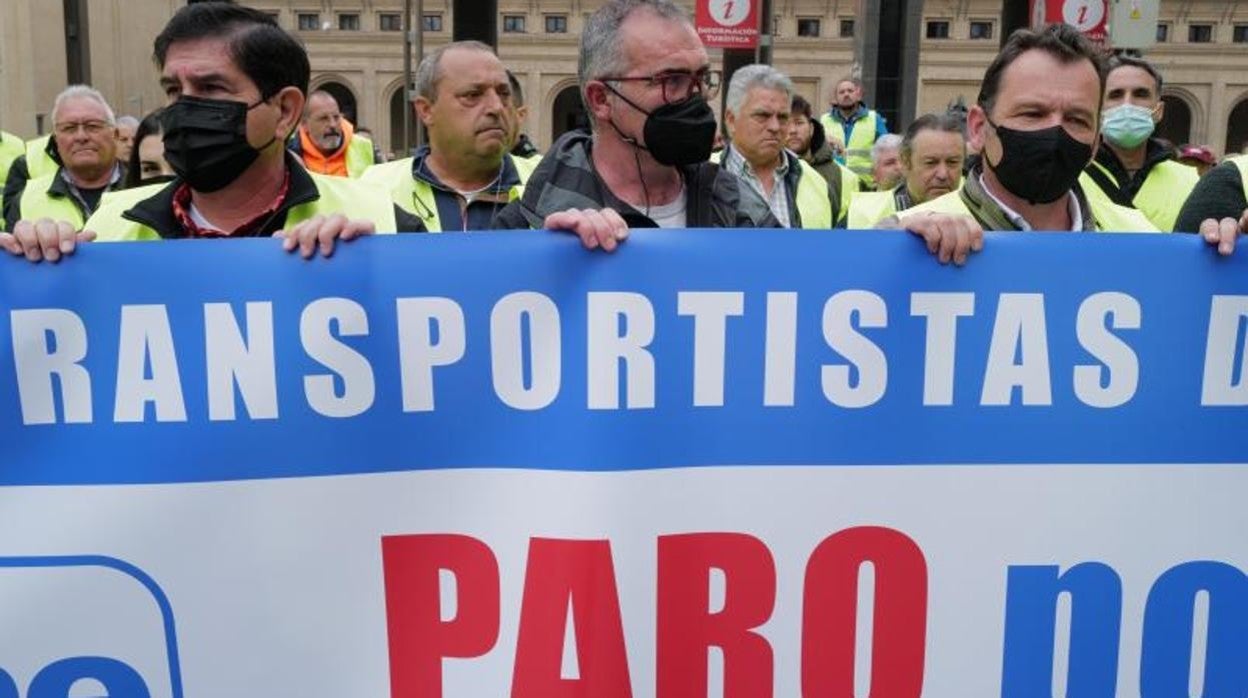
{"x":677,"y":87}
{"x":92,"y":128}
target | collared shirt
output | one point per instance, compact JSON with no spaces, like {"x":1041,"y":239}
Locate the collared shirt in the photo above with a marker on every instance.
{"x":778,"y":201}
{"x":195,"y":225}
{"x":1072,"y":204}
{"x":89,"y":199}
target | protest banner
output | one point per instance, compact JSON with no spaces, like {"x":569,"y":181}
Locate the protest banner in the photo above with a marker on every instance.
{"x":738,"y":463}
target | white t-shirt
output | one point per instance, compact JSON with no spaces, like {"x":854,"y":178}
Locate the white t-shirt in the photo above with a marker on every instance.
{"x":669,"y":215}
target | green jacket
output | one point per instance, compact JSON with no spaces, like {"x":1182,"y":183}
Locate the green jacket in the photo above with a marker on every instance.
{"x":971,"y":200}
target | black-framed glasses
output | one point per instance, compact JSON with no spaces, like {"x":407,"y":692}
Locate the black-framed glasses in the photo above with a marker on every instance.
{"x":679,"y":86}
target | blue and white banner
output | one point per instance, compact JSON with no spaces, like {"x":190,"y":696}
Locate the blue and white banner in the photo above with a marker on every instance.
{"x":714,"y":463}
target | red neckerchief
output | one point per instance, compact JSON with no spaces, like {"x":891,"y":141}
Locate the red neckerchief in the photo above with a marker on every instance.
{"x":182,"y":212}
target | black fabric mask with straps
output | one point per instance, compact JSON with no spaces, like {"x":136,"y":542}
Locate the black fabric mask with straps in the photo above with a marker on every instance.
{"x":1039,"y":166}
{"x":679,"y":133}
{"x":206,"y":140}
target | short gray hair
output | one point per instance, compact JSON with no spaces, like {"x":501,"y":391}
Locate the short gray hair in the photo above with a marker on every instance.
{"x":128,"y":121}
{"x":428,"y":73}
{"x":83,"y":92}
{"x":756,"y":75}
{"x":889,"y":141}
{"x":600,"y":53}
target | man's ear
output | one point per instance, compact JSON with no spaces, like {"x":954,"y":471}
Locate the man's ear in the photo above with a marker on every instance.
{"x":1161,"y":112}
{"x":290,"y":103}
{"x":599,"y":100}
{"x":423,"y":109}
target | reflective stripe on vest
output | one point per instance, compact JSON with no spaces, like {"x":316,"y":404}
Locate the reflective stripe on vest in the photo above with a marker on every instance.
{"x":811,"y":199}
{"x":1160,"y":198}
{"x":1110,"y":217}
{"x":336,"y":195}
{"x":37,"y":203}
{"x":359,"y":156}
{"x":871,"y":207}
{"x":858,"y":149}
{"x":38,"y":162}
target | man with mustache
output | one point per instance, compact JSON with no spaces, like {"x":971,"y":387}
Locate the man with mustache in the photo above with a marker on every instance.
{"x":85,"y":132}
{"x":464,"y":175}
{"x":327,"y":143}
{"x":757,"y":115}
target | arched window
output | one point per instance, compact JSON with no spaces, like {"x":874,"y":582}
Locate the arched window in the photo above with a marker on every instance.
{"x":568,"y":112}
{"x":1176,"y":124}
{"x":1237,"y":128}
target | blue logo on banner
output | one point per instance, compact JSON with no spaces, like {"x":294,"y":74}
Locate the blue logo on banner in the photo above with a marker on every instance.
{"x":117,"y":677}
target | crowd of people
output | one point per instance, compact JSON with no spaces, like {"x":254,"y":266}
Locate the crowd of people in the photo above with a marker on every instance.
{"x":1058,"y":139}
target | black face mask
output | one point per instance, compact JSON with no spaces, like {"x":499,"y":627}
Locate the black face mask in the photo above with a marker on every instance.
{"x":206,"y":141}
{"x":1039,"y":166}
{"x":681,"y":133}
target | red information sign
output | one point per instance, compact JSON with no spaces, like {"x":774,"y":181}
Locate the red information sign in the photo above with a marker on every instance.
{"x":728,"y":23}
{"x":1088,"y":16}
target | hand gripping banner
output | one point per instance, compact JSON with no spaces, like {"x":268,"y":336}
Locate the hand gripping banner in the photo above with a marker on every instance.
{"x":714,"y":463}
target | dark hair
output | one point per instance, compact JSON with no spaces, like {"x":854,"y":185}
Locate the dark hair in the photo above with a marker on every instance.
{"x":1061,"y":41}
{"x":517,"y":92}
{"x":149,"y":126}
{"x":1117,"y":62}
{"x":266,"y":54}
{"x":947,"y":122}
{"x":801,"y":106}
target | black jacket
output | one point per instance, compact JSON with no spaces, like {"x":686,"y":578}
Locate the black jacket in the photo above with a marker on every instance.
{"x":566,"y":179}
{"x":156,"y":212}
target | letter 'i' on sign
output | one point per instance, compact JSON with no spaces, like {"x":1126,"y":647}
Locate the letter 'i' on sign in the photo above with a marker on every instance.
{"x":899,"y":618}
{"x":419,"y":637}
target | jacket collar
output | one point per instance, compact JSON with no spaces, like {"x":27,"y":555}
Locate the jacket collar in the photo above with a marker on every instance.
{"x":1156,"y":152}
{"x":62,"y":187}
{"x":508,"y":175}
{"x":156,"y":212}
{"x":993,"y":217}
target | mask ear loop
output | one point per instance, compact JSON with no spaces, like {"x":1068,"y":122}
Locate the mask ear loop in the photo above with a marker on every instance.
{"x":637,"y":146}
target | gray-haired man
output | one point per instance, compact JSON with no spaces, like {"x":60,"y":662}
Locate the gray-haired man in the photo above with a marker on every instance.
{"x":645,"y":78}
{"x":757,"y":115}
{"x":85,"y":132}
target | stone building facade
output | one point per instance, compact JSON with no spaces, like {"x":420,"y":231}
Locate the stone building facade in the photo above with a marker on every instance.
{"x":356,"y":48}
